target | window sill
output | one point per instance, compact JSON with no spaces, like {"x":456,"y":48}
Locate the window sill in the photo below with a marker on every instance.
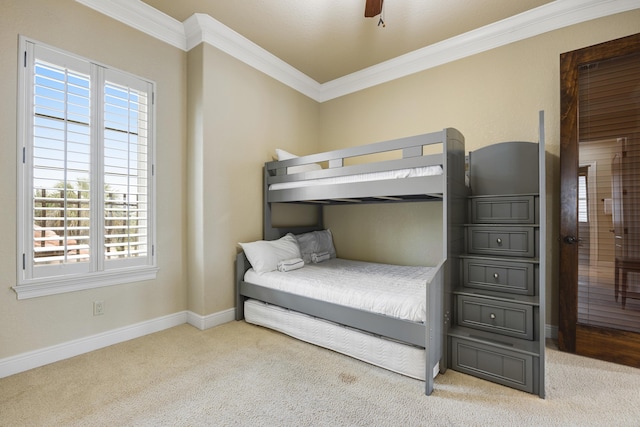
{"x":61,"y":284}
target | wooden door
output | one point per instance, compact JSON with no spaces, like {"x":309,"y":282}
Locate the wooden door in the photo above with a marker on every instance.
{"x":600,"y":138}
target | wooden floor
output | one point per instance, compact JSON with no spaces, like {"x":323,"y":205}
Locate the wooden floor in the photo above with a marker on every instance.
{"x":597,"y":305}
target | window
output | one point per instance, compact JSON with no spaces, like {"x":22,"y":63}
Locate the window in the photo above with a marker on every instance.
{"x":583,"y":211}
{"x":86,"y":181}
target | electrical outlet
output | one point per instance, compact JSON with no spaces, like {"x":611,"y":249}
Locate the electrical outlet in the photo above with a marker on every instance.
{"x":98,"y":308}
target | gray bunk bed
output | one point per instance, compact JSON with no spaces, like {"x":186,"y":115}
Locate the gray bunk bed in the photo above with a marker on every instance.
{"x":342,"y":181}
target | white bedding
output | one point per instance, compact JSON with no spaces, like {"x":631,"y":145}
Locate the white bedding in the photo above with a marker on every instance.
{"x":392,"y":290}
{"x":373,"y":176}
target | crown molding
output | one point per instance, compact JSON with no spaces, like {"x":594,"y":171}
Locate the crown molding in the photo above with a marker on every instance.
{"x":201,"y":28}
{"x":142,"y":17}
{"x":553,"y":16}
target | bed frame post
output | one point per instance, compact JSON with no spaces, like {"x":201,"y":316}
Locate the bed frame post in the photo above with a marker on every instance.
{"x":453,"y":219}
{"x":242,"y":265}
{"x":268,"y":232}
{"x":434,"y":341}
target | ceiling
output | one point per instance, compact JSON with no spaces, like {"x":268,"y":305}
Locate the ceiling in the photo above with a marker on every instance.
{"x":328,"y":39}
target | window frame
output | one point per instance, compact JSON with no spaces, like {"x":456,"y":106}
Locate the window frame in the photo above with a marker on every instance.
{"x":102,"y":271}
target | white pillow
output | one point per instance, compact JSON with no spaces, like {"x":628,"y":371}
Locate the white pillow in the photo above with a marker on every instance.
{"x":264,"y":255}
{"x":315,"y":242}
{"x":285,"y":155}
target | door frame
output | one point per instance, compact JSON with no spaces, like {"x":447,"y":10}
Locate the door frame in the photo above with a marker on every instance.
{"x":572,"y":337}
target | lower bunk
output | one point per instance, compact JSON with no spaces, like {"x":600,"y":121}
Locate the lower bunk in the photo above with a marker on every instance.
{"x":389,"y":316}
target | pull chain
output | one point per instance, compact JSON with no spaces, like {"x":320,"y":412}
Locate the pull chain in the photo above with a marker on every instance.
{"x":381,"y":21}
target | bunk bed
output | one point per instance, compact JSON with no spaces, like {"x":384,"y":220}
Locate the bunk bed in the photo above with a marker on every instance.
{"x":341,"y":177}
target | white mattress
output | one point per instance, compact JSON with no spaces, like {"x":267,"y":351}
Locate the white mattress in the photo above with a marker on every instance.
{"x":373,"y":176}
{"x":394,"y":356}
{"x":392,"y":290}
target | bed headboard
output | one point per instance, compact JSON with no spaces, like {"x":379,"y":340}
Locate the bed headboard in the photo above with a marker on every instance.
{"x":504,"y":168}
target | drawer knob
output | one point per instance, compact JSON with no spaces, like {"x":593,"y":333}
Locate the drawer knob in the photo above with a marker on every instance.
{"x":496,"y":275}
{"x":492,"y":316}
{"x":499,"y":241}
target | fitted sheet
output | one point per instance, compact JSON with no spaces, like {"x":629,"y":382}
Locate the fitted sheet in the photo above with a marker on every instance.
{"x":391,"y":290}
{"x":364,"y":177}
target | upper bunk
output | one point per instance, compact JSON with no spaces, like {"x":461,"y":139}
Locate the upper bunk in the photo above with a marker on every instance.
{"x":431,"y":165}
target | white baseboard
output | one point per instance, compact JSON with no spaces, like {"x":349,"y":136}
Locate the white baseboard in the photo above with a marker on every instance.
{"x":212,"y":320}
{"x":36,"y":358}
{"x":551,"y":331}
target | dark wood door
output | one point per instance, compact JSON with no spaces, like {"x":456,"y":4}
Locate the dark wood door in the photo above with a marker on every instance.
{"x":600,"y":143}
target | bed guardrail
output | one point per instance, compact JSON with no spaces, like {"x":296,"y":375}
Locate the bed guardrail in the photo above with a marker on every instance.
{"x":412,"y":147}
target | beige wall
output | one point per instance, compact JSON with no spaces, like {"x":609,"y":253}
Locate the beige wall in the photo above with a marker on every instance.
{"x":245,"y":115}
{"x":399,"y":233}
{"x":195,"y":181}
{"x":40,"y":322}
{"x":218,"y":120}
{"x":490,"y":97}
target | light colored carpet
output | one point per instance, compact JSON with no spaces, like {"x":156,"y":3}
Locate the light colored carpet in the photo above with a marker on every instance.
{"x":238,"y":374}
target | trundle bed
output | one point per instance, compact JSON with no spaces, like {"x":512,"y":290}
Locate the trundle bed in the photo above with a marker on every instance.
{"x":360,"y":310}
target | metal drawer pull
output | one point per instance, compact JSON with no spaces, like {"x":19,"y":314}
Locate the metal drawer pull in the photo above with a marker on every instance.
{"x":492,"y":316}
{"x":496,"y":275}
{"x":499,"y":241}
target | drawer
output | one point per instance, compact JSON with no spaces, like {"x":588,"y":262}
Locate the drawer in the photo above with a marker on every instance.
{"x":503,"y":210}
{"x":500,"y":317}
{"x":493,"y":363}
{"x":502,"y":241}
{"x":501,"y":276}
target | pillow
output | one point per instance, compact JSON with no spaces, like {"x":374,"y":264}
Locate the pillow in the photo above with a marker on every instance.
{"x":325,"y":242}
{"x":264,"y":255}
{"x":307,"y":245}
{"x":315,"y":242}
{"x":284,"y":155}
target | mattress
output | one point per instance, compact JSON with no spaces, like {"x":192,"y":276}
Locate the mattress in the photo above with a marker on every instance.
{"x":391,"y":290}
{"x":394,"y":356}
{"x":364,"y":177}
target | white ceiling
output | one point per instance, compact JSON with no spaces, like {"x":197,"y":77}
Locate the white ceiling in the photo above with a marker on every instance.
{"x":328,"y":39}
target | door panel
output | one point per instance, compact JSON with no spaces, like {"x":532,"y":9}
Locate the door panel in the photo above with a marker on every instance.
{"x":600,"y":202}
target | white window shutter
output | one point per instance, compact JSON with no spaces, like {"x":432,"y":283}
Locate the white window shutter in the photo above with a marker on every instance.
{"x":86,"y":191}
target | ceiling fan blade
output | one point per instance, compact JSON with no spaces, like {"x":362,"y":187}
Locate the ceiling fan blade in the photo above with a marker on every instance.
{"x":372,"y":8}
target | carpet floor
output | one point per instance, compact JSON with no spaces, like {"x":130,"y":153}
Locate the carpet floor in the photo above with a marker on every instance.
{"x":243,"y":375}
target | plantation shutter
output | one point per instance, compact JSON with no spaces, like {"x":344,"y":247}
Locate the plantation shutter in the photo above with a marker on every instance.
{"x":86,"y":203}
{"x":61,"y":160}
{"x":127,"y":103}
